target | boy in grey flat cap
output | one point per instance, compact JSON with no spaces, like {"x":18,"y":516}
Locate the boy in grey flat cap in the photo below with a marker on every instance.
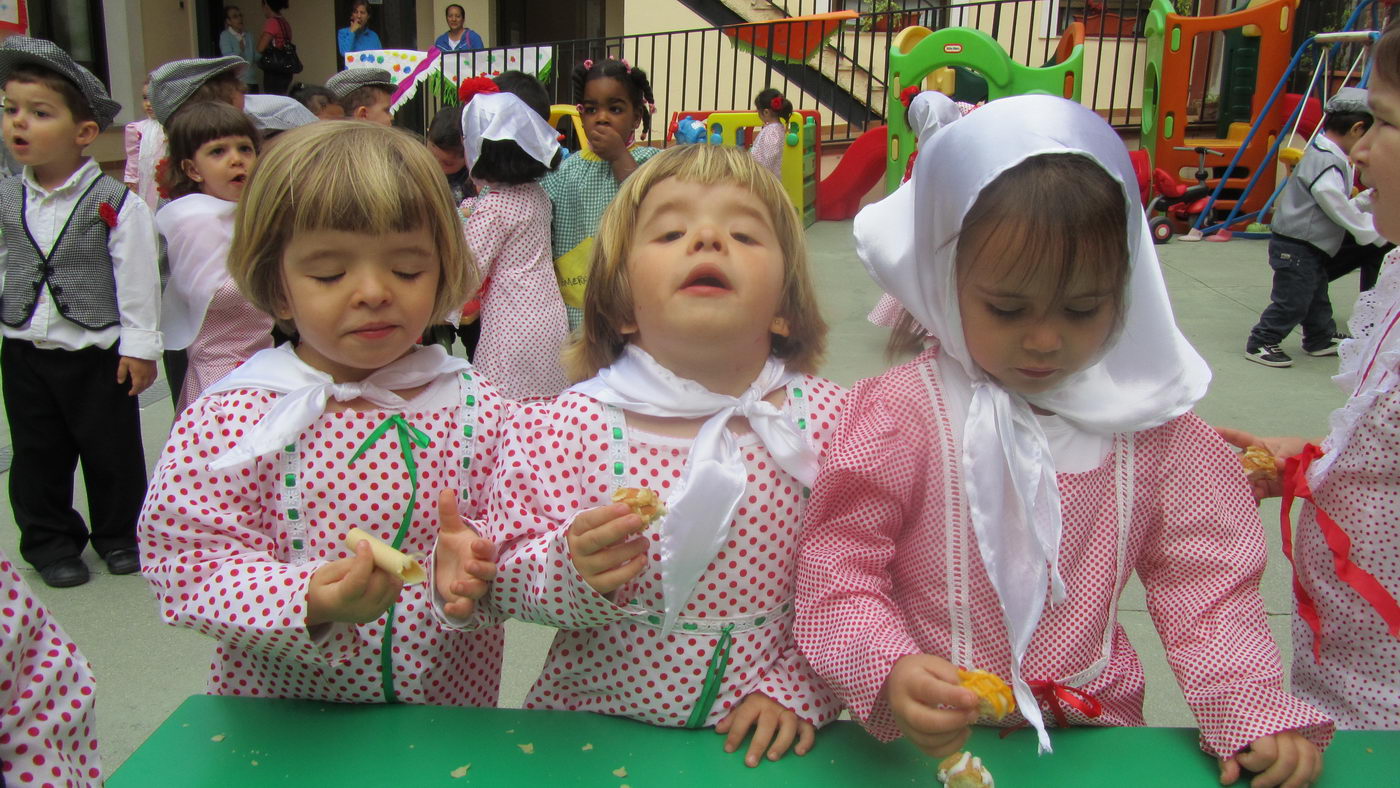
{"x":181,"y":82}
{"x":1320,"y":232}
{"x":364,"y":93}
{"x":79,"y":311}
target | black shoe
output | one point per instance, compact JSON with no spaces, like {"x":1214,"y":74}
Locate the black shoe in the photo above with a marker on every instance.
{"x":65,"y":573}
{"x":1329,"y":349}
{"x":1269,"y":356}
{"x":124,"y":561}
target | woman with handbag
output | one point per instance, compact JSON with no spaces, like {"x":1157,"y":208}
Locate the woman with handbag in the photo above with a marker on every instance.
{"x":277,"y":55}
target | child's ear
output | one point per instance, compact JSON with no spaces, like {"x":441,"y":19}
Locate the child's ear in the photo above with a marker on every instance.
{"x":360,"y":113}
{"x":187,"y":167}
{"x":87,"y":133}
{"x":780,"y":327}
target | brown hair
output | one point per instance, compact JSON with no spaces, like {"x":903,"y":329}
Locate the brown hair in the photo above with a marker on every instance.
{"x":190,"y":128}
{"x":363,"y":97}
{"x":1060,"y":212}
{"x":607,"y":302}
{"x":349,"y":176}
{"x":73,"y":98}
{"x":1385,"y":56}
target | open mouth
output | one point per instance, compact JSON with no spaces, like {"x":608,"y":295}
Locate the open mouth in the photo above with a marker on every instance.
{"x":239,"y":179}
{"x":706,"y":277}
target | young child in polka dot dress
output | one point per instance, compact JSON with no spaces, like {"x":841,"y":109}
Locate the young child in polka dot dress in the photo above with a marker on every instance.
{"x":49,"y":736}
{"x":347,"y":236}
{"x":700,"y":330}
{"x":984,"y":504}
{"x":1346,"y":623}
{"x":508,"y":147}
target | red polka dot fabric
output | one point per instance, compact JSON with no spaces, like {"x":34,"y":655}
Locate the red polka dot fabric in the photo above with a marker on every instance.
{"x":218,"y":548}
{"x":890,"y":567}
{"x":48,"y":735}
{"x":556,"y":462}
{"x":1357,"y":680}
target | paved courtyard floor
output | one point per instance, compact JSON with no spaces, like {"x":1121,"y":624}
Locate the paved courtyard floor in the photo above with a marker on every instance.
{"x":145,"y":668}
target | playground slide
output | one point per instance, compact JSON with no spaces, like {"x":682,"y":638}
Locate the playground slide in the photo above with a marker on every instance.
{"x":861,"y":167}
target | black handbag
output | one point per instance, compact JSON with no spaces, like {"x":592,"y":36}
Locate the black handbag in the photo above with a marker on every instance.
{"x":283,"y":60}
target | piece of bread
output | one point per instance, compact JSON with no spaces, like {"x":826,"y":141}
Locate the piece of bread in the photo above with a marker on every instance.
{"x":994,"y":698}
{"x":1260,"y":464}
{"x":405,"y":567}
{"x":964,"y":770}
{"x":643,"y":501}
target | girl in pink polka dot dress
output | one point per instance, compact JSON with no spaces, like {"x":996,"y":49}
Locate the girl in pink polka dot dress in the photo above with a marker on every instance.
{"x":1346,"y":548}
{"x":347,"y":236}
{"x":49,"y":736}
{"x":699,"y":330}
{"x":984,"y":504}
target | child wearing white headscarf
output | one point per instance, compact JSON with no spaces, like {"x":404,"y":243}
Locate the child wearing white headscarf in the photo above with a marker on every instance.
{"x":985,"y":503}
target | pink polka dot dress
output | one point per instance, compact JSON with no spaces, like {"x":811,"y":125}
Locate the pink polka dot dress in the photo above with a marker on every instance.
{"x":523,"y":324}
{"x":233,"y":331}
{"x":47,"y":690}
{"x":767,"y":148}
{"x":230,"y":553}
{"x":890,"y":567}
{"x":610,"y":655}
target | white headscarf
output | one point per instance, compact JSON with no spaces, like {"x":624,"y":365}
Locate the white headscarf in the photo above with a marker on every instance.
{"x":1147,"y":373}
{"x":930,"y":111}
{"x":503,"y":116}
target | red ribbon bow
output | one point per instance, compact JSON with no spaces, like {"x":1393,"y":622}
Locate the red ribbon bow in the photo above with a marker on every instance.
{"x":474,"y":86}
{"x":1295,"y":485}
{"x":108,"y":214}
{"x":1054,"y":696}
{"x":776,"y":103}
{"x":906,"y":96}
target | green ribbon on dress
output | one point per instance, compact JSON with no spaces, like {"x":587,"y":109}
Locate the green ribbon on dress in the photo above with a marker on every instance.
{"x":409,"y":437}
{"x":714,"y":677}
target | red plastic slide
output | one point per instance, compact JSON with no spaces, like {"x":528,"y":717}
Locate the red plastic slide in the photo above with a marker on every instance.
{"x":861,"y":167}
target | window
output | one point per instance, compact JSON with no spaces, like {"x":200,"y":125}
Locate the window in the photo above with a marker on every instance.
{"x":1101,"y":18}
{"x":76,"y":26}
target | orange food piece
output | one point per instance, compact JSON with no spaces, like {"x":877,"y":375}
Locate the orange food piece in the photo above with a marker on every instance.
{"x":643,"y":501}
{"x":995,"y":699}
{"x":1259,"y":463}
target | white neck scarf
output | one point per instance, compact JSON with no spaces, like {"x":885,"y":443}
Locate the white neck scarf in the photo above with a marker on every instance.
{"x":503,"y":116}
{"x":1146,"y":375}
{"x":702,"y":506}
{"x":305,"y":391}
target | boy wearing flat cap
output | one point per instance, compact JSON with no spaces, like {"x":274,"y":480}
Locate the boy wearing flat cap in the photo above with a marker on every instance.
{"x":364,"y":93}
{"x":1319,"y":232}
{"x":181,"y":82}
{"x":79,"y":309}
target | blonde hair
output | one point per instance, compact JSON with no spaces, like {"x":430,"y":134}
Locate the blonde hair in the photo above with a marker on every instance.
{"x":607,"y":303}
{"x":344,"y":175}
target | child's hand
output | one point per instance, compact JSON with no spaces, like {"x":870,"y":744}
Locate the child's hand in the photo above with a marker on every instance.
{"x":607,"y":142}
{"x":1282,"y":759}
{"x":141,"y":372}
{"x":1281,"y":448}
{"x":776,"y":724}
{"x":465,"y":563}
{"x":929,"y":705}
{"x":352,"y":590}
{"x":602,"y":548}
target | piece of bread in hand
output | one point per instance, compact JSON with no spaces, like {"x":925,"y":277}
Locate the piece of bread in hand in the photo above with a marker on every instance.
{"x":1260,"y":464}
{"x":994,"y":698}
{"x":643,"y":501}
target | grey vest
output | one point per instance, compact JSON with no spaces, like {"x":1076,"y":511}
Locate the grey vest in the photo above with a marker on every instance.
{"x":1297,"y":214}
{"x":78,"y":270}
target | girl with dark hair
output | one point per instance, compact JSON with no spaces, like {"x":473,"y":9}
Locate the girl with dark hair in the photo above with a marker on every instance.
{"x":614,"y":100}
{"x":459,"y":37}
{"x":774,"y":110}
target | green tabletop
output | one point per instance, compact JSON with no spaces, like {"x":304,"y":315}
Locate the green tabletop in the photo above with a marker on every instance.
{"x":223,"y":741}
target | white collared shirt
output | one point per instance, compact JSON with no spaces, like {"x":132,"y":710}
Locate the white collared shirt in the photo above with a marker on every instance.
{"x":132,"y":244}
{"x":1333,"y":195}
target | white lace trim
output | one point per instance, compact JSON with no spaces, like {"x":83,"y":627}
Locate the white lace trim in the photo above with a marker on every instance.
{"x":1374,"y":310}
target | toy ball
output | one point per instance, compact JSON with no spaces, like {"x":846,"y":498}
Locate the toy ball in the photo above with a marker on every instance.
{"x":811,"y":121}
{"x":716,"y":139}
{"x":792,"y":140}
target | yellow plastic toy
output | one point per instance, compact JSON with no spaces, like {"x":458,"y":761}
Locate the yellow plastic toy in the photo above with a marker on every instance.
{"x":799,"y":175}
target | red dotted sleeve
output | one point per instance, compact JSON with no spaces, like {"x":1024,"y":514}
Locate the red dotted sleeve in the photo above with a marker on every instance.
{"x":209,"y":544}
{"x":489,"y":232}
{"x":1201,"y":565}
{"x":848,"y":625}
{"x":47,"y":692}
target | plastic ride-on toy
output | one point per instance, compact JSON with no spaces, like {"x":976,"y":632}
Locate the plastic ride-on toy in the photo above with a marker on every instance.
{"x":1177,"y":203}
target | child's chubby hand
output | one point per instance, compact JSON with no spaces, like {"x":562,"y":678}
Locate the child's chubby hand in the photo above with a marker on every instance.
{"x":1282,"y":448}
{"x":603,"y":550}
{"x":774,"y":729}
{"x":351,"y":590}
{"x":141,"y":372}
{"x":607,"y":142}
{"x":928,"y":704}
{"x":1284,"y":759}
{"x":465,"y":563}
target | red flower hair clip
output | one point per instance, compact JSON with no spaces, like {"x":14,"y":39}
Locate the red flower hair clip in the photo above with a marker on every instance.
{"x":475,"y":85}
{"x":906,"y":96}
{"x":162,"y":167}
{"x":108,"y":214}
{"x":777,"y":103}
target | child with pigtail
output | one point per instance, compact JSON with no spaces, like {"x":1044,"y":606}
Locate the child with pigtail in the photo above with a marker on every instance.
{"x":774,"y":110}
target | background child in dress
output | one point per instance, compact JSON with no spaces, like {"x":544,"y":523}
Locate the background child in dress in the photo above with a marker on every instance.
{"x":700,"y":316}
{"x":774,"y":111}
{"x":1345,"y":624}
{"x":508,"y":147}
{"x":145,"y":147}
{"x":346,"y":235}
{"x":1043,"y":447}
{"x":212,"y":150}
{"x":614,"y":100}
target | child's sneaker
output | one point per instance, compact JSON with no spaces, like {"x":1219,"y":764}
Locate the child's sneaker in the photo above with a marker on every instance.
{"x":1269,"y":356}
{"x":1329,"y":349}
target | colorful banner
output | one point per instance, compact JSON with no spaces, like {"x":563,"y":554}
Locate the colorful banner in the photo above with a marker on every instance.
{"x":410,"y":68}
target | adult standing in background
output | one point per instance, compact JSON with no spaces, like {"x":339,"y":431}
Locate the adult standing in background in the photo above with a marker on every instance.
{"x":234,"y":40}
{"x":275,"y":32}
{"x":459,"y":37}
{"x":357,"y":37}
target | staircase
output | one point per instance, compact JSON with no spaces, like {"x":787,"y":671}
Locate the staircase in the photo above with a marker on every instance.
{"x":830,"y":76}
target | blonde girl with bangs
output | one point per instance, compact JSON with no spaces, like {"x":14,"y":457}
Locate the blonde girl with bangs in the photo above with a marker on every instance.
{"x":346,"y":235}
{"x":700,"y":336}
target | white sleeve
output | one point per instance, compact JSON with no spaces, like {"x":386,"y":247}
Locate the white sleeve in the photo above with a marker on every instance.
{"x":132,"y":244}
{"x":1330,"y":190}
